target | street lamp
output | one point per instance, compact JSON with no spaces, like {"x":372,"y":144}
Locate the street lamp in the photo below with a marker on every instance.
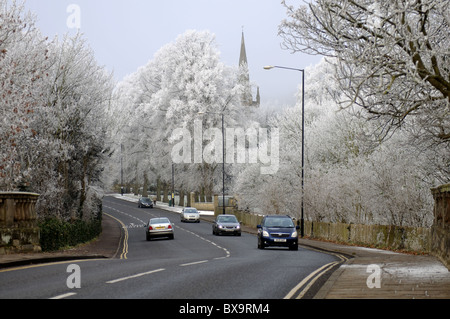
{"x":223,"y":159}
{"x":269,"y":67}
{"x":173,"y":185}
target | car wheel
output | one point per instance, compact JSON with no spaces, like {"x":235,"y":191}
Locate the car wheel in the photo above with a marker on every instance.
{"x":260,"y":244}
{"x":148,"y":237}
{"x":293,"y":247}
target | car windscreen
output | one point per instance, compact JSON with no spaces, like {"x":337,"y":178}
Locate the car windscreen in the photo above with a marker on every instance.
{"x":190,"y":211}
{"x":145,"y":199}
{"x":279,"y":222}
{"x":227,"y":219}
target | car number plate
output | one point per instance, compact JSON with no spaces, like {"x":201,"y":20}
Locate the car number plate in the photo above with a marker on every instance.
{"x":160,"y":227}
{"x":280,"y":240}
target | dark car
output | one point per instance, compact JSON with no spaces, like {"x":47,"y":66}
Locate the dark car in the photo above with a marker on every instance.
{"x":226,"y":224}
{"x":145,"y":202}
{"x":276,"y":230}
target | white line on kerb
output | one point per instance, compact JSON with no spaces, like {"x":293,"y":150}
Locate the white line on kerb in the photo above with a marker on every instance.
{"x":134,"y":276}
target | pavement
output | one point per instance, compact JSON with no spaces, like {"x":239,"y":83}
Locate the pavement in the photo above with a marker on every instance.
{"x":364,"y":273}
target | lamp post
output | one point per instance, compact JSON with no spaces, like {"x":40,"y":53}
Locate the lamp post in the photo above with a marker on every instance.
{"x":302,"y":220}
{"x":173,"y":186}
{"x":223,"y":159}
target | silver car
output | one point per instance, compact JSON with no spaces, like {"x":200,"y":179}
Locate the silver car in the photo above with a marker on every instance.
{"x":159,"y":227}
{"x":226,"y":224}
{"x":189,"y":214}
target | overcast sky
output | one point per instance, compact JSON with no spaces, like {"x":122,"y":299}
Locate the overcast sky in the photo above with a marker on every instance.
{"x":126,"y":34}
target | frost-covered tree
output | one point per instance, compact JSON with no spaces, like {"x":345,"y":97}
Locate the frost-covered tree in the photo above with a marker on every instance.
{"x":73,"y":122}
{"x":392,"y":58}
{"x":184,"y":78}
{"x":23,"y":64}
{"x":348,"y":177}
{"x":52,"y":131}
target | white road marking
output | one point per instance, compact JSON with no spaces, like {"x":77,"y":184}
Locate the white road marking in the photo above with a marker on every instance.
{"x":194,"y":263}
{"x":64,"y":296}
{"x":134,"y":276}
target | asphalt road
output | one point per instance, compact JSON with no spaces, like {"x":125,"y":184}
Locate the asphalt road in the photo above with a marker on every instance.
{"x":195,"y":265}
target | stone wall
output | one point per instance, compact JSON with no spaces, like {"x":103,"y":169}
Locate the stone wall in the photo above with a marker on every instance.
{"x":440,"y":231}
{"x":199,"y":205}
{"x":434,"y":240}
{"x":248,"y":219}
{"x":415,"y":239}
{"x":18,"y":223}
{"x":230,"y":205}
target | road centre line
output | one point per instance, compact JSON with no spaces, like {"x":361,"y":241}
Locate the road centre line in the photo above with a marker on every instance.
{"x":312,"y":278}
{"x":208,"y":241}
{"x":135,"y":276}
{"x":194,"y":263}
{"x":176,"y":226}
{"x":125,"y":245}
{"x":70,"y":294}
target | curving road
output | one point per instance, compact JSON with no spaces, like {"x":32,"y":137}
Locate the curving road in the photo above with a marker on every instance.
{"x":195,"y":265}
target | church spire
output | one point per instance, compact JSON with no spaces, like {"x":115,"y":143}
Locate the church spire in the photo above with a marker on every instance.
{"x":243,"y":55}
{"x":247,"y":97}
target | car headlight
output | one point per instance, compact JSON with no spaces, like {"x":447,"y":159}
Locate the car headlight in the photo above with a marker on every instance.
{"x":265,"y":233}
{"x":238,"y":227}
{"x":220,"y":226}
{"x":294,"y":234}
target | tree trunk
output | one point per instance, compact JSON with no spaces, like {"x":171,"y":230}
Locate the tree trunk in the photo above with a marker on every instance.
{"x":181,"y":201}
{"x":165,"y":193}
{"x":144,"y":189}
{"x":158,"y":189}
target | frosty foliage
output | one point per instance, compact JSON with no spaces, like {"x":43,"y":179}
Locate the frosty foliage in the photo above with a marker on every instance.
{"x":63,"y":117}
{"x":52,"y":130}
{"x":392,"y":61}
{"x":388,"y":62}
{"x":352,"y":175}
{"x":184,"y":78}
{"x":348,"y":177}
